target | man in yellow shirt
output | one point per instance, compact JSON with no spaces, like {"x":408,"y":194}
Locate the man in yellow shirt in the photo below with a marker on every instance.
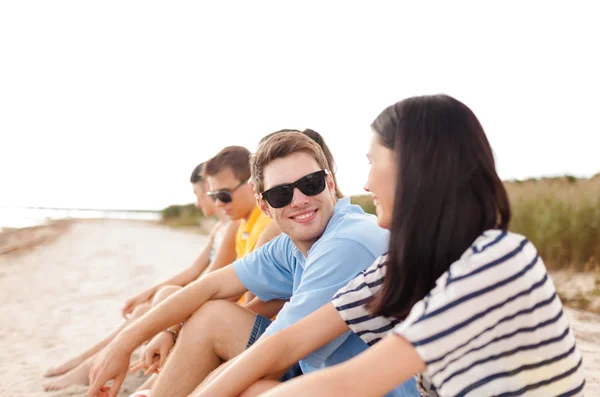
{"x":227,"y":174}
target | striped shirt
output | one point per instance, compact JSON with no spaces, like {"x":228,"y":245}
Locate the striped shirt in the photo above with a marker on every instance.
{"x":492,"y":326}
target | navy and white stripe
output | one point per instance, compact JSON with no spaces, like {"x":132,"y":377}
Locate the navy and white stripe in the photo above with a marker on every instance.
{"x":493,"y":324}
{"x":350,"y":302}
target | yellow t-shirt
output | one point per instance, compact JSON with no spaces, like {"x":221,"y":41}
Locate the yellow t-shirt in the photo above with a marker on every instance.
{"x":249,"y":231}
{"x":247,"y":235}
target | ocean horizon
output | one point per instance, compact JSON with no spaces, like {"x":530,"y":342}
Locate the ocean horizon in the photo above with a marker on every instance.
{"x":14,"y":217}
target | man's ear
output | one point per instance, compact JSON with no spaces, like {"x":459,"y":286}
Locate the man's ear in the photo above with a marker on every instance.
{"x":330,"y":182}
{"x":251,"y":183}
{"x":263,"y":206}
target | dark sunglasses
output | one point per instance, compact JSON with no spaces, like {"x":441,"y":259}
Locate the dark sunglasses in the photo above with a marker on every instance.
{"x":309,"y":185}
{"x":224,"y":195}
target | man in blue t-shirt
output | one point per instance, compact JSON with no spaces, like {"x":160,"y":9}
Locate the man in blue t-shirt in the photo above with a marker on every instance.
{"x":326,"y":242}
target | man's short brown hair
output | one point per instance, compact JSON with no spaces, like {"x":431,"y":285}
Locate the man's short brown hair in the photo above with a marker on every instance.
{"x":282,"y":145}
{"x":236,"y":158}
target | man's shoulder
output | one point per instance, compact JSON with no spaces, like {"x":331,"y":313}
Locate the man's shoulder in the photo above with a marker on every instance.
{"x":280,"y":246}
{"x":278,"y":251}
{"x":354,"y":229}
{"x":355,"y":224}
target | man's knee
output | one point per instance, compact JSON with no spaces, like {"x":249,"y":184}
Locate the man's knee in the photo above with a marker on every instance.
{"x":163,"y":293}
{"x":212,"y":314}
{"x":225,"y":323}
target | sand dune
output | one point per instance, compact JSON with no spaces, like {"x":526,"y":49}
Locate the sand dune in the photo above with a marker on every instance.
{"x":61,"y":296}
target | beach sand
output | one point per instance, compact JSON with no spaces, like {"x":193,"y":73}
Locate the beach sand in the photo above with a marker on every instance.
{"x":63,"y":295}
{"x":60,"y":297}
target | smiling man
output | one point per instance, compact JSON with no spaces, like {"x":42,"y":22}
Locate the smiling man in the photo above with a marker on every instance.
{"x":326,"y":242}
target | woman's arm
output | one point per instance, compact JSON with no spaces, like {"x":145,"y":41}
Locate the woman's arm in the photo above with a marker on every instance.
{"x":225,"y":254}
{"x":375,"y":372}
{"x":277,"y":352}
{"x":266,"y":309}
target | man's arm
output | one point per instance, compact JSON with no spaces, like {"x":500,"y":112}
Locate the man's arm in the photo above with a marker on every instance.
{"x":225,"y":254}
{"x":113,"y":362}
{"x":265,"y":309}
{"x":252,"y":302}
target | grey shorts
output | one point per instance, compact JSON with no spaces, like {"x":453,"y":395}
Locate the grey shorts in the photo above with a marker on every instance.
{"x":261,"y":323}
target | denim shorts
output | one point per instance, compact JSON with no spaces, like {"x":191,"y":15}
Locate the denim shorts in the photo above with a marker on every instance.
{"x":260,"y":325}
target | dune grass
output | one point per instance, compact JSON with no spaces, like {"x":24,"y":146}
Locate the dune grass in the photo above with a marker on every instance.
{"x":182,"y":216}
{"x":561,"y":216}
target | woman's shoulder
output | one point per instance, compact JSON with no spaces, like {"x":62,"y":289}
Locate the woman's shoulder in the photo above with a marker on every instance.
{"x":493,"y":253}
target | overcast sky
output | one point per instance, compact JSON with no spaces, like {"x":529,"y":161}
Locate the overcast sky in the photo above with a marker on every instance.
{"x":111,"y":104}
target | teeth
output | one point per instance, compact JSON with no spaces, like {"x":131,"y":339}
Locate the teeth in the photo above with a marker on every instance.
{"x":305,"y":216}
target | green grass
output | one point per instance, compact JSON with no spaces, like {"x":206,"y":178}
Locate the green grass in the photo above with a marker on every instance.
{"x":181,"y":215}
{"x":560,"y":216}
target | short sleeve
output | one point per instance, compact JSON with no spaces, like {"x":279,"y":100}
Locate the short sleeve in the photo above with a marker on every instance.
{"x":351,"y":303}
{"x":336,"y":263}
{"x":266,"y":271}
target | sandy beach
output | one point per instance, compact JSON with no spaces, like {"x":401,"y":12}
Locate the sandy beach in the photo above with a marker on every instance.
{"x":62,"y":296}
{"x":65,"y":294}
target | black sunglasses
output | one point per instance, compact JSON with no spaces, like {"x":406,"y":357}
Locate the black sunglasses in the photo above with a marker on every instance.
{"x":224,"y":195}
{"x":309,"y":185}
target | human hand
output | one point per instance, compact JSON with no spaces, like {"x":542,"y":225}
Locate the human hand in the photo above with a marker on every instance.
{"x":110,"y":364}
{"x":155,"y":354}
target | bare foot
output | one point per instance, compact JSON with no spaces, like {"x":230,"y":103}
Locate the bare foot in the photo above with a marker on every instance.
{"x":64,"y":368}
{"x":76,"y":376}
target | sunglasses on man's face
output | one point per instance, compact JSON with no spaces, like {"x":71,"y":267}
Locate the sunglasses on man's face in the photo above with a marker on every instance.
{"x":224,"y":195}
{"x":309,"y":185}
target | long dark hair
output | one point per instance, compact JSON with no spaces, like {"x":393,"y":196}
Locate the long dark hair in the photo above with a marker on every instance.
{"x":447,"y":194}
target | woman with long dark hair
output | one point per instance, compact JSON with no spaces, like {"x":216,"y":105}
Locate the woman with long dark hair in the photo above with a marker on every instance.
{"x":458,"y":301}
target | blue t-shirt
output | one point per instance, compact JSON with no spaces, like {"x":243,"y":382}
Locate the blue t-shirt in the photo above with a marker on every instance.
{"x":278,"y":270}
{"x":350,"y":243}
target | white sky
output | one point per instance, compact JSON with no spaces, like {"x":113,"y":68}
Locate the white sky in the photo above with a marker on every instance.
{"x":110,"y":104}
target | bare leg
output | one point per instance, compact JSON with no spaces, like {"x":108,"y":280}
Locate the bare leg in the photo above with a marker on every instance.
{"x":217,"y":332}
{"x":75,"y":361}
{"x":163,"y":293}
{"x":79,"y":359}
{"x":260,"y":387}
{"x":76,"y":376}
{"x":148,"y":384}
{"x":79,"y":375}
